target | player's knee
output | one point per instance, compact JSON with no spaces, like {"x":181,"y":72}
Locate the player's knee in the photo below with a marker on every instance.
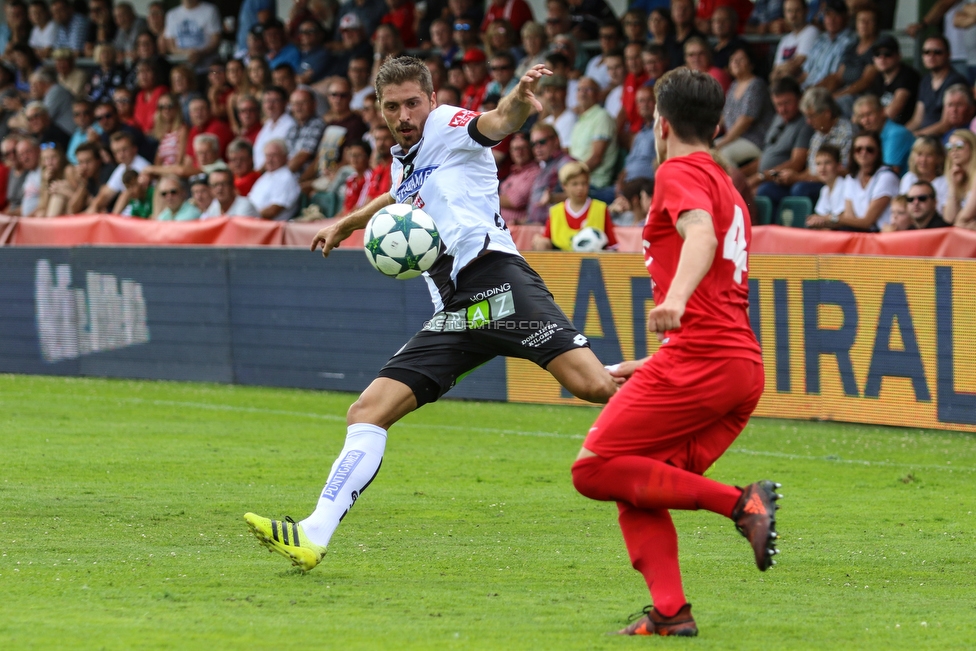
{"x":585,"y":477}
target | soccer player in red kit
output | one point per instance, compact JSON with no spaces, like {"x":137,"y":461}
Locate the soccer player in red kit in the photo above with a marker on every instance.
{"x":680,"y":409}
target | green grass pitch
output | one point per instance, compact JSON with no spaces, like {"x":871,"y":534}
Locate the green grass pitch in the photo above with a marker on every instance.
{"x":121,"y":506}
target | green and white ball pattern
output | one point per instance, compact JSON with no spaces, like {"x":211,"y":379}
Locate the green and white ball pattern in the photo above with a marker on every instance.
{"x":401,"y":241}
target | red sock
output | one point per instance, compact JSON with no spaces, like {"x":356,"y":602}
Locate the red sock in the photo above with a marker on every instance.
{"x":653,"y":547}
{"x":651,"y":484}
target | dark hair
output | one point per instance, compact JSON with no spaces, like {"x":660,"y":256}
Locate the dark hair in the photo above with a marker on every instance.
{"x":611,"y":22}
{"x":743,"y":47}
{"x":852,"y":166}
{"x":504,"y":54}
{"x":123,"y":135}
{"x":360,"y":143}
{"x":92,"y":148}
{"x":942,"y":39}
{"x":634,"y":187}
{"x":279,"y":91}
{"x":665,"y":14}
{"x":452,"y":89}
{"x":830,"y":150}
{"x":926,"y":184}
{"x":786,"y":86}
{"x":400,"y":70}
{"x":557,"y":59}
{"x":284,"y":66}
{"x":657,"y":50}
{"x":129,"y":177}
{"x":692,"y":102}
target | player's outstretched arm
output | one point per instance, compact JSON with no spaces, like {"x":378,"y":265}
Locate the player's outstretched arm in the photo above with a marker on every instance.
{"x":697,"y":255}
{"x":332,"y":235}
{"x":515,"y":108}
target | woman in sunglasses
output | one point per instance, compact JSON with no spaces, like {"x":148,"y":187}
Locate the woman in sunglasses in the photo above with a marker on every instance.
{"x":868,"y":189}
{"x":58,"y":181}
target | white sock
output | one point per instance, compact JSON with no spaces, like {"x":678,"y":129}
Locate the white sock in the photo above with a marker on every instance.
{"x":352,"y":472}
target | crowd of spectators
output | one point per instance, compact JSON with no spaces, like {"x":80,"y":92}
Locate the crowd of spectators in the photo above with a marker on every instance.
{"x":185,"y":114}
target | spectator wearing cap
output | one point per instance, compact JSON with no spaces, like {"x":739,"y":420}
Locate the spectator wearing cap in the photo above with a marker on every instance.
{"x":279,"y":49}
{"x":927,"y":118}
{"x":368,"y":13}
{"x":593,"y":140}
{"x":253,"y":12}
{"x":897,"y":82}
{"x":276,"y":193}
{"x":176,"y":206}
{"x":476,"y":74}
{"x":353,"y":42}
{"x":555,"y":111}
{"x":240,"y":161}
{"x":72,"y":27}
{"x":226,"y":201}
{"x":69,"y":75}
{"x":516,"y":12}
{"x":277,"y":125}
{"x":796,"y":44}
{"x":829,"y":48}
{"x":193,"y":31}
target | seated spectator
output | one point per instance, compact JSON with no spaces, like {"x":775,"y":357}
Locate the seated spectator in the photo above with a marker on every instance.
{"x":683,"y":19}
{"x":356,"y":155}
{"x":236,"y":76}
{"x":921,"y":207}
{"x":148,"y":50}
{"x":101,"y":28}
{"x":896,"y":140}
{"x":449,"y":95}
{"x":360,"y":87}
{"x":706,"y":9}
{"x":56,"y":98}
{"x":476,"y":76}
{"x":277,"y":125}
{"x":787,"y":142}
{"x":201,"y":121}
{"x":613,"y":100}
{"x":28,"y":155}
{"x":629,"y":119}
{"x":40,"y":126}
{"x":108,"y":76}
{"x":72,"y":30}
{"x":641,"y":161}
{"x":593,"y":140}
{"x":353,"y":42}
{"x":555,"y":111}
{"x":633,"y":202}
{"x":156,"y":19}
{"x":240,"y":161}
{"x":868,"y":188}
{"x":148,"y":94}
{"x":634,"y":24}
{"x":550,"y":157}
{"x":69,"y":75}
{"x":388,"y":44}
{"x":534,"y":44}
{"x":218,"y":89}
{"x":381,"y":177}
{"x":91,"y":175}
{"x":829,"y":48}
{"x":304,"y":137}
{"x":926,"y":163}
{"x":255,"y":47}
{"x":897,"y":83}
{"x":12,"y":189}
{"x":796,"y":44}
{"x":502,"y":37}
{"x":313,"y":57}
{"x":748,"y":112}
{"x":205,"y":159}
{"x":366,"y":12}
{"x":856,"y":72}
{"x":661,"y":29}
{"x":128,"y":27}
{"x":655,"y":59}
{"x":832,"y":202}
{"x":698,"y":56}
{"x":192,"y":32}
{"x":200,"y":195}
{"x":928,"y":115}
{"x":226,"y":202}
{"x":124,"y":100}
{"x":257,"y":12}
{"x":53,"y":200}
{"x":960,"y":172}
{"x":107,"y":117}
{"x":725,"y":28}
{"x":126,"y":157}
{"x":442,"y":40}
{"x":280,"y":51}
{"x":900,"y":219}
{"x":169,"y":131}
{"x":514,"y":192}
{"x":276,"y":193}
{"x":957,"y":109}
{"x":823,"y":114}
{"x":577,"y":212}
{"x":25,"y":62}
{"x":83,"y":112}
{"x":136,"y":200}
{"x":516,"y":12}
{"x":596,"y":69}
{"x":176,"y":207}
{"x":400,"y":20}
{"x":183,"y":84}
{"x":44,"y":30}
{"x":249,"y":118}
{"x":767,"y":17}
{"x":341,"y":116}
{"x":503,"y":78}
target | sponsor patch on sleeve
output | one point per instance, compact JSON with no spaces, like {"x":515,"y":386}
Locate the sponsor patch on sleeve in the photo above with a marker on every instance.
{"x":462,"y":117}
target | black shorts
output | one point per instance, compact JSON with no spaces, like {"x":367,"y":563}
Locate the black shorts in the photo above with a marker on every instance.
{"x":501,"y":307}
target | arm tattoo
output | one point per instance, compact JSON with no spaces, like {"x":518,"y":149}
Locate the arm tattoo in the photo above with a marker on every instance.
{"x":690,"y":218}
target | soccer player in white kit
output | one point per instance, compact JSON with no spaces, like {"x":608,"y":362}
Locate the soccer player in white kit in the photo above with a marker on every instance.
{"x":487,"y":300}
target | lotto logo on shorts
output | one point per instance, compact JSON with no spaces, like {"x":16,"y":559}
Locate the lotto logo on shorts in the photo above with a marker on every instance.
{"x":341,"y":476}
{"x":461,"y":118}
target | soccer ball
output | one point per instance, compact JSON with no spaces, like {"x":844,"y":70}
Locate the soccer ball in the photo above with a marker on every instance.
{"x":401,"y":241}
{"x":589,"y":240}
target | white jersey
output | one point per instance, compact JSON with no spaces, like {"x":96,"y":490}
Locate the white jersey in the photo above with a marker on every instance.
{"x":452,"y":176}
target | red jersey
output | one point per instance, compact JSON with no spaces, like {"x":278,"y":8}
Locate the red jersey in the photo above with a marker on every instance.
{"x":716,"y":318}
{"x":517,"y":12}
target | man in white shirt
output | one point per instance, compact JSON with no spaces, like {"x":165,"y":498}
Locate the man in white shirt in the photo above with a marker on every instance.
{"x":276,"y":193}
{"x":796,"y":44}
{"x":226,"y":200}
{"x":596,"y":69}
{"x":556,"y":113}
{"x":192,"y":31}
{"x":278,"y":125}
{"x":28,"y":158}
{"x":124,"y":150}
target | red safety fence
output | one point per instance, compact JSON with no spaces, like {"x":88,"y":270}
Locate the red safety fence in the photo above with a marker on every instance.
{"x":226,"y":231}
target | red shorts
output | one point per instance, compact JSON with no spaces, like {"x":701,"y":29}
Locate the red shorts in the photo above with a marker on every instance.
{"x":685,"y":411}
